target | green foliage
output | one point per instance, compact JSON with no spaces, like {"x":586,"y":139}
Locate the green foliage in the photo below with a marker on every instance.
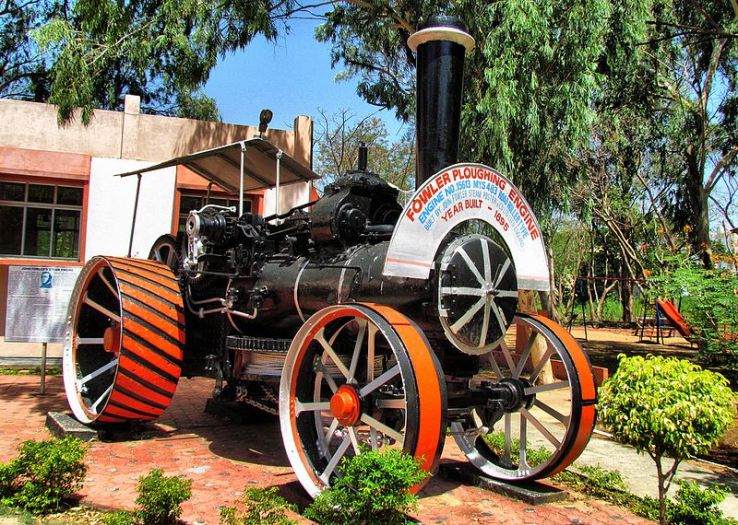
{"x":44,"y":475}
{"x":258,"y":506}
{"x":711,"y":308}
{"x":160,"y":497}
{"x":666,"y":407}
{"x":372,"y":487}
{"x":534,"y":456}
{"x":696,"y":506}
{"x":162,"y":50}
{"x":119,"y":517}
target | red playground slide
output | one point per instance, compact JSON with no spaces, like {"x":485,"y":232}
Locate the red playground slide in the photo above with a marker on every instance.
{"x":675,"y":318}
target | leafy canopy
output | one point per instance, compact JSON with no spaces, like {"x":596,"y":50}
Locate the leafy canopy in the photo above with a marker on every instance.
{"x":667,"y":406}
{"x":162,"y":50}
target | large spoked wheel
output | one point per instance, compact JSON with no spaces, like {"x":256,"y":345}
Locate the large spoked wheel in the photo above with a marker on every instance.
{"x":539,"y":429}
{"x":124,"y":340}
{"x":359,"y":377}
{"x":165,"y":251}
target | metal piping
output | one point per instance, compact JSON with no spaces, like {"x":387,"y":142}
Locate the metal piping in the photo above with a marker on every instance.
{"x":440,"y":45}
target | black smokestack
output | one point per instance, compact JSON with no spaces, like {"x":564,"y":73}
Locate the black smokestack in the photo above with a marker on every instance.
{"x":440,"y":44}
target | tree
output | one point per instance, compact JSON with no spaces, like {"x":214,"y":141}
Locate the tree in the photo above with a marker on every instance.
{"x":338,"y":139}
{"x":23,"y":72}
{"x":161,"y":50}
{"x":693,"y":57}
{"x":666,"y":407}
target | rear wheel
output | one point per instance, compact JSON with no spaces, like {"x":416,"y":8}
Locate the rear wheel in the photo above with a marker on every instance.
{"x":124,"y":340}
{"x":543,"y":427}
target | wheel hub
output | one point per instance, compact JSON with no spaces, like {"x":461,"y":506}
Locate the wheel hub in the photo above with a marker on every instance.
{"x":111,"y":339}
{"x":510,"y":392}
{"x":346,"y":405}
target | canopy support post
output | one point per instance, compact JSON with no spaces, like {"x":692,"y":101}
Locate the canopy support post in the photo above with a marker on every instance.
{"x":135,"y":214}
{"x":241,"y":183}
{"x":276,"y":191}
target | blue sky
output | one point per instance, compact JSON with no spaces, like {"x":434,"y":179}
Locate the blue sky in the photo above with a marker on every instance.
{"x":291,"y":76}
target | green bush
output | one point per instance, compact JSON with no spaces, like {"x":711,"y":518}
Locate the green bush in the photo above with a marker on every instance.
{"x":696,"y":506}
{"x":534,"y":456}
{"x":711,"y":309}
{"x":44,"y":475}
{"x":666,"y":407}
{"x":160,"y":497}
{"x":119,"y":517}
{"x":372,"y":487}
{"x":258,"y":506}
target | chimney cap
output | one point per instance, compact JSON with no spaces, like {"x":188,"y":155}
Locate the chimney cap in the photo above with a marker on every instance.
{"x":443,"y":28}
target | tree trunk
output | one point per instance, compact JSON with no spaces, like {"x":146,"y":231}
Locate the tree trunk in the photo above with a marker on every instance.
{"x":662,"y":491}
{"x":697,"y":196}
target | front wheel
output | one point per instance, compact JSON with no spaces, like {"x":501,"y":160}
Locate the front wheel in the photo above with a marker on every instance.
{"x":359,"y":377}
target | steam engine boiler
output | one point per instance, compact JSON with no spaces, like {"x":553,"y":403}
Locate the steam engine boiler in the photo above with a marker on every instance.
{"x":359,"y":322}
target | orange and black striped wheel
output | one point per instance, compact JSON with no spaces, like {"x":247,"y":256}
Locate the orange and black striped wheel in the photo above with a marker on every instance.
{"x":124,"y":340}
{"x":542,"y":426}
{"x":359,"y":377}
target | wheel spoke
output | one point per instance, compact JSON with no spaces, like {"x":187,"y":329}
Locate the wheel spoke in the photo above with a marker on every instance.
{"x":495,"y":367}
{"x":326,"y":438}
{"x":100,"y":399}
{"x":462,"y":290}
{"x":545,"y":388}
{"x":357,"y":349}
{"x":539,"y":367}
{"x":371,"y":347}
{"x":381,"y":380}
{"x":508,"y":437}
{"x":354,"y":440}
{"x":320,"y":337}
{"x":505,"y":267}
{"x":523,"y":440}
{"x":485,"y":259}
{"x":507,"y":294}
{"x":337,"y":455}
{"x":485,"y":325}
{"x":542,"y":429}
{"x":109,"y":286}
{"x":472,"y":266}
{"x":384,"y":429}
{"x":500,"y":318}
{"x":325,"y":374}
{"x":311,"y":406}
{"x":373,"y":438}
{"x":551,"y":411}
{"x":89,"y":341}
{"x":101,"y":370}
{"x":525,"y":355}
{"x":508,"y":356}
{"x":398,"y":404}
{"x":471,"y":312}
{"x":100,"y":308}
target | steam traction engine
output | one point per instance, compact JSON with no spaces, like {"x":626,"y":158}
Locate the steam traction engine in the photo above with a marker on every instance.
{"x":359,"y":322}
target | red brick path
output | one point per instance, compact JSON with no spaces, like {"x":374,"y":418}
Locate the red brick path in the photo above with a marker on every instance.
{"x":222,"y":458}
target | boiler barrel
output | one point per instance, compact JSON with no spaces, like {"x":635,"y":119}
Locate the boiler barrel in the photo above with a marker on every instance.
{"x":298,"y":288}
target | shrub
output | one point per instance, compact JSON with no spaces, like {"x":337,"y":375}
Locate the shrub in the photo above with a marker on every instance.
{"x":372,"y":487}
{"x":258,"y":506}
{"x":44,"y":475}
{"x":160,"y":497}
{"x":666,"y":407}
{"x":696,"y":506}
{"x":119,"y":517}
{"x":711,"y":309}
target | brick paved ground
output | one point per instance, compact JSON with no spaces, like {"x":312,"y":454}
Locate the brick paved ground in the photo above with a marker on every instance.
{"x":222,"y":458}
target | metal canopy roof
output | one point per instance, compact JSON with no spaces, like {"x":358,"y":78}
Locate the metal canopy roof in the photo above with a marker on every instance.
{"x":222,"y":166}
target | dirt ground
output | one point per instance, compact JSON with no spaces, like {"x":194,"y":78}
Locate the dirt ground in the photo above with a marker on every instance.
{"x":604,"y":345}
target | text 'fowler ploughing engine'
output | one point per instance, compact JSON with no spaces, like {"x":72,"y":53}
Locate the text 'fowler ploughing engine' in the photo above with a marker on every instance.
{"x":359,"y":322}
